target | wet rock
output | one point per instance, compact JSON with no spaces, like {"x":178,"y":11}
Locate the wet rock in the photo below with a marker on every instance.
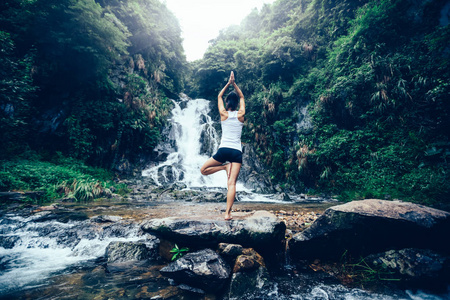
{"x":371,"y":226}
{"x":178,"y":186}
{"x":248,"y":260}
{"x":203,"y":269}
{"x":230,"y":250}
{"x":208,"y":139}
{"x":247,"y":285}
{"x":117,"y":229}
{"x":253,"y":173}
{"x":170,"y":292}
{"x":215,"y":197}
{"x":165,"y":247}
{"x":118,"y":252}
{"x":183,"y":104}
{"x":191,"y":289}
{"x":260,"y":229}
{"x":105,"y":219}
{"x":48,"y":207}
{"x":95,"y":277}
{"x":284,"y":197}
{"x":255,"y":182}
{"x":413,"y":263}
{"x":62,"y":216}
{"x":8,"y":242}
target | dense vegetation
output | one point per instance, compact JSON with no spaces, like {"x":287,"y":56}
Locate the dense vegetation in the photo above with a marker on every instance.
{"x":88,"y":79}
{"x":373,"y":77}
{"x":349,"y":97}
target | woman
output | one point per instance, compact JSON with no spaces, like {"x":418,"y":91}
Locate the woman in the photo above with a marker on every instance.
{"x":230,"y":149}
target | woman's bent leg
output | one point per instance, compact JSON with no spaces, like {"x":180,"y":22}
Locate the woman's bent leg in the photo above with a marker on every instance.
{"x":231,"y":194}
{"x":212,"y":166}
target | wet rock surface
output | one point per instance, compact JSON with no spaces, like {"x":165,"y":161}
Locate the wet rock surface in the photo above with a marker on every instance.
{"x":118,"y":252}
{"x":253,"y":173}
{"x":248,"y":260}
{"x":203,"y":269}
{"x":255,"y":229}
{"x":249,"y":284}
{"x":414,"y":264}
{"x":370,"y":226}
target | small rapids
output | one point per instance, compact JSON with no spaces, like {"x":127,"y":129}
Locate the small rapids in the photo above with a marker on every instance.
{"x":35,"y":247}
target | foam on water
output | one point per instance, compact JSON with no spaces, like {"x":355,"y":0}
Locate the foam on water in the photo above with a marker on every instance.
{"x":42,"y":249}
{"x":184,"y":164}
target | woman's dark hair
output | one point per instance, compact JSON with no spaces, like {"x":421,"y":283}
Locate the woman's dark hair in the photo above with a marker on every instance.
{"x":232,"y":101}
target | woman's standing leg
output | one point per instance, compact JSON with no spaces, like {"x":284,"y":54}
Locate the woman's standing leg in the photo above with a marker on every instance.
{"x":231,"y":194}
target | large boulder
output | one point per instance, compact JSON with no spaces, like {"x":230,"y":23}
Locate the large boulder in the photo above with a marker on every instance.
{"x":371,"y":226}
{"x":119,"y":252}
{"x":204,"y":269}
{"x":259,"y":229}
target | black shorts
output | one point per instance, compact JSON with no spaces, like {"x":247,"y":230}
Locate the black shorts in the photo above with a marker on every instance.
{"x":228,"y":154}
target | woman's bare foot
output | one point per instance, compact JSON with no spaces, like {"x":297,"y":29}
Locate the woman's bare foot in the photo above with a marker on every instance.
{"x":228,"y":217}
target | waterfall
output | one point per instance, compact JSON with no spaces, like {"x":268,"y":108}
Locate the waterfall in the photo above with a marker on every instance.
{"x":195,"y":139}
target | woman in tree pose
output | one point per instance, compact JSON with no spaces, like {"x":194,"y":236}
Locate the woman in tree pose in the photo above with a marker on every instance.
{"x":230,"y":149}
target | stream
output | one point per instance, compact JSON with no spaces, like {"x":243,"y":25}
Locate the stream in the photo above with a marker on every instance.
{"x":58,"y":252}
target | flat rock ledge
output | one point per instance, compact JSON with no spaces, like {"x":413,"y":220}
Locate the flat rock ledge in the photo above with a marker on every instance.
{"x":257,"y":229}
{"x":369,"y":226}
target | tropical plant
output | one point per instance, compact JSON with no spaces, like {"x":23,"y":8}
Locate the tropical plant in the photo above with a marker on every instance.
{"x":178,"y":252}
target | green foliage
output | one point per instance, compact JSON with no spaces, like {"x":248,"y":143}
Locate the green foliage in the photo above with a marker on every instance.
{"x":16,"y":87}
{"x":60,"y":177}
{"x":361,"y":273}
{"x":374,"y":78}
{"x":87,"y":78}
{"x":178,"y":252}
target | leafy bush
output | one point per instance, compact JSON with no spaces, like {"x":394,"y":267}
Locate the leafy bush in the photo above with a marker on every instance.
{"x":62,"y":177}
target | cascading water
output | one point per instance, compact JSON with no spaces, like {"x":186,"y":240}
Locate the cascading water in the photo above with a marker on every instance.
{"x":195,"y":141}
{"x":33,"y":248}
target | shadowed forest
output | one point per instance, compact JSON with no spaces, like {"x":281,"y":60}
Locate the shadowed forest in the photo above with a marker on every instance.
{"x":344,"y":97}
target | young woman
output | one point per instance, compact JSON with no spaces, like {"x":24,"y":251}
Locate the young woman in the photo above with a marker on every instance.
{"x":230,"y":149}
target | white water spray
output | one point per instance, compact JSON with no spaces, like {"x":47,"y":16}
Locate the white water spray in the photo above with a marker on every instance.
{"x":195,"y":138}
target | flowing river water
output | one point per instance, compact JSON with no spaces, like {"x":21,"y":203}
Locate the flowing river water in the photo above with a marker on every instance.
{"x":58,"y":252}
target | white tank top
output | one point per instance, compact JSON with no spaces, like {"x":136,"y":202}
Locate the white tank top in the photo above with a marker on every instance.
{"x":231,"y":132}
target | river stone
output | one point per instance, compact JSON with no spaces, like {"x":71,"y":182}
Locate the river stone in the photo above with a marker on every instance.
{"x":8,"y":242}
{"x":230,"y":250}
{"x":413,"y":263}
{"x":204,"y":269}
{"x":258,"y":229}
{"x":248,"y":260}
{"x":118,"y":252}
{"x":249,"y":285}
{"x":371,"y":226}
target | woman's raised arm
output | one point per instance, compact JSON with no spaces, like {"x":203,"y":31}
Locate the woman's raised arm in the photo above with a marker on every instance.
{"x":241,"y":112}
{"x":222,"y":110}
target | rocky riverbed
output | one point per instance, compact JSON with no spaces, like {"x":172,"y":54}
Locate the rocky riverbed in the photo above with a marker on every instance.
{"x":116,"y":249}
